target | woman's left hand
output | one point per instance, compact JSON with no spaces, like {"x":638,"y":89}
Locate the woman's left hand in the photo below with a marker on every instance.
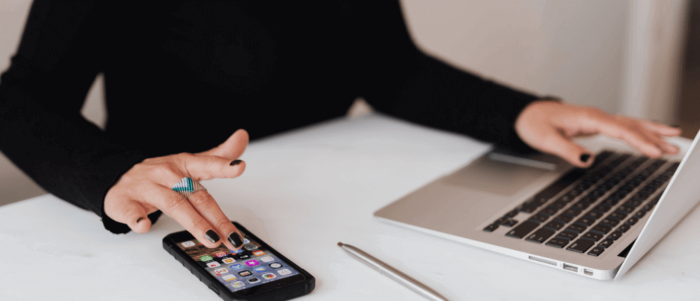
{"x":548,"y":126}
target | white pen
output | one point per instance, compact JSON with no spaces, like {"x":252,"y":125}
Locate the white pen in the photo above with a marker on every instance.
{"x":393,"y":273}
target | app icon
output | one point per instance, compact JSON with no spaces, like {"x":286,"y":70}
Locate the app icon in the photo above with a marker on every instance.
{"x":243,"y":257}
{"x":284,"y":272}
{"x":245,"y":241}
{"x":220,"y":254}
{"x":266,"y":259}
{"x":229,"y":277}
{"x":236,"y":266}
{"x":260,"y":269}
{"x":269,"y":275}
{"x":250,"y":247}
{"x":259,"y":253}
{"x":220,"y":271}
{"x":275,"y":265}
{"x":251,"y":263}
{"x":228,"y":260}
{"x":253,"y":280}
{"x":205,"y":258}
{"x":245,"y":273}
{"x":236,"y":251}
{"x":238,"y":284}
{"x":188,"y":244}
{"x":213,"y":264}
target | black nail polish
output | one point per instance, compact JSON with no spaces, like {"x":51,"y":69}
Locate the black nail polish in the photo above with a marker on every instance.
{"x":235,"y":162}
{"x":585,"y":157}
{"x":235,"y":239}
{"x":139,"y":220}
{"x":211,"y":236}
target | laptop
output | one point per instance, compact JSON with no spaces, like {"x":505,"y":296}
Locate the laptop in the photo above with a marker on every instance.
{"x":595,"y":222}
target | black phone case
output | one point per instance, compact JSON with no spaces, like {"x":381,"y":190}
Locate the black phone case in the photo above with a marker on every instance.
{"x":282,"y":293}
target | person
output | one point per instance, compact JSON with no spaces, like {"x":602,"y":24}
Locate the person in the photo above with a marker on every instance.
{"x":181,"y":76}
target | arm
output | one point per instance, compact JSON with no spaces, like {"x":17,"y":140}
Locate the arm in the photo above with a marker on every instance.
{"x":41,"y":96}
{"x":400,"y":80}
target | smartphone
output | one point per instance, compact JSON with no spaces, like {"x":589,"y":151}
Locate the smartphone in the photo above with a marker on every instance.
{"x":255,"y":272}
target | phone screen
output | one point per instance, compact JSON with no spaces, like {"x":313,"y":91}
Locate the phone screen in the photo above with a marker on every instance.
{"x":250,"y":266}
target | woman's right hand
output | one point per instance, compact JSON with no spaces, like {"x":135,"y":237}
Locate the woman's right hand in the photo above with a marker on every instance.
{"x":147,"y":187}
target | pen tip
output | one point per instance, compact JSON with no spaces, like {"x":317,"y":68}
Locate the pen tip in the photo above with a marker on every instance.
{"x":340,"y":244}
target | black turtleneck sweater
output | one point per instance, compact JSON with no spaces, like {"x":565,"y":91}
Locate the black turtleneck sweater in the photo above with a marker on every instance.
{"x":197,"y":71}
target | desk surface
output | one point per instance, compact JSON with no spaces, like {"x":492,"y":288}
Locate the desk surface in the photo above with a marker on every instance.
{"x":303,"y":192}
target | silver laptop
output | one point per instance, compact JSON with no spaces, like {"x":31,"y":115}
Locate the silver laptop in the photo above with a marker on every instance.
{"x":596,"y":222}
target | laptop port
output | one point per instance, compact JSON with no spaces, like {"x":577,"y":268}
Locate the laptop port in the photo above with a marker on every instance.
{"x":542,"y":260}
{"x":572,"y":268}
{"x":588,"y":272}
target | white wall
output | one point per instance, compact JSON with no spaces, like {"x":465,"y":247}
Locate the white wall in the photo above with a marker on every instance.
{"x":572,"y":49}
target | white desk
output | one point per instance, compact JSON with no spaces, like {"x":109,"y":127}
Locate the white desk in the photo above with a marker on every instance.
{"x":303,"y":192}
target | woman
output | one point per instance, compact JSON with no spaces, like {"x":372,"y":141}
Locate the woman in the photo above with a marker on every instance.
{"x":180,"y":77}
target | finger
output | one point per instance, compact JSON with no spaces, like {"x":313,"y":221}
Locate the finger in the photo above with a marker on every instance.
{"x":660,"y":142}
{"x":131,"y":213}
{"x":232,"y":148}
{"x":179,"y":208}
{"x":205,"y":204}
{"x":661,"y":129}
{"x":555,"y":143}
{"x":620,"y":129}
{"x":201,"y":167}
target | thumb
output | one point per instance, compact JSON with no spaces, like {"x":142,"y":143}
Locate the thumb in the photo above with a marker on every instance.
{"x":556,"y":144}
{"x":232,"y":148}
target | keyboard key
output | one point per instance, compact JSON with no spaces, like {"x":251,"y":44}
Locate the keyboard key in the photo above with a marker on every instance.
{"x":512,"y":213}
{"x":648,"y":207}
{"x":610,"y":222}
{"x":617,"y":215}
{"x":501,"y":220}
{"x":527,"y":208}
{"x":563,"y":218}
{"x":580,"y":205}
{"x":523,"y":229}
{"x":553,"y":225}
{"x":615,"y":235}
{"x":549,"y":210}
{"x":610,"y":201}
{"x":557,"y":243}
{"x":576,"y":228}
{"x":567,"y":235}
{"x":625,"y":209}
{"x":581,"y":245}
{"x":632,"y":220}
{"x":491,"y":227}
{"x":602,"y":208}
{"x":510,"y":223}
{"x":539,"y":218}
{"x":540,"y":235}
{"x":593,"y":236}
{"x":606,"y":243}
{"x":594,"y":214}
{"x":572,"y":212}
{"x":624,"y":228}
{"x":585,"y":221}
{"x":558,"y":205}
{"x":601,"y":229}
{"x":596,"y":251}
{"x":640,"y":214}
{"x":634,"y":202}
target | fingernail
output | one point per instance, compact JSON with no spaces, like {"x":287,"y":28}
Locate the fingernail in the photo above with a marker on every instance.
{"x":235,"y":239}
{"x":235,"y":162}
{"x":139,"y":220}
{"x":211,"y":236}
{"x":585,"y":157}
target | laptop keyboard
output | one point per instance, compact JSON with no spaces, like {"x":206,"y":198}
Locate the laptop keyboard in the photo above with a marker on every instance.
{"x":587,"y":210}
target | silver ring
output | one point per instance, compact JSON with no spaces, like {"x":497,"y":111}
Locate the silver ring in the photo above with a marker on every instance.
{"x":186,"y":187}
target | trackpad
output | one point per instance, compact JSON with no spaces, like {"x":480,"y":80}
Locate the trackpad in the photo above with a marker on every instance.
{"x":496,"y":177}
